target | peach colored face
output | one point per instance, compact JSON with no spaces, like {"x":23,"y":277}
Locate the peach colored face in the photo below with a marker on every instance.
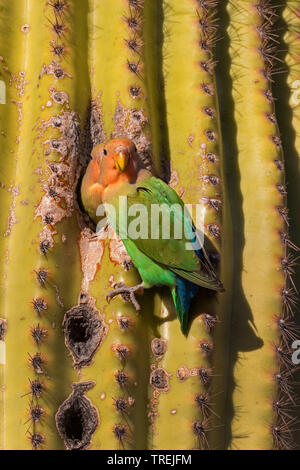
{"x":116,"y":160}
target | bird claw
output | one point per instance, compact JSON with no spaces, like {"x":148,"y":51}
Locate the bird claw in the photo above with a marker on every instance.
{"x":128,"y":293}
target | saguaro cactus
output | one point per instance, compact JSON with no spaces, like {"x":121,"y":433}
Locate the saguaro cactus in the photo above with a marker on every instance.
{"x":263,"y":406}
{"x":193,"y":85}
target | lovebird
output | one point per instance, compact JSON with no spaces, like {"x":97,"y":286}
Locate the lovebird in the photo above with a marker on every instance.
{"x":116,"y":172}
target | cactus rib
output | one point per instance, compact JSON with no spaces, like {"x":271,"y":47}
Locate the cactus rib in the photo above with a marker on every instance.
{"x":257,"y":423}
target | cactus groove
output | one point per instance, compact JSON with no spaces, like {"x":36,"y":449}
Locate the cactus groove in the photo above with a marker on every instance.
{"x":208,"y":91}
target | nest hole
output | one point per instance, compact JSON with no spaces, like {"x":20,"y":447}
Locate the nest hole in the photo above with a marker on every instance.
{"x":74,"y":423}
{"x":84,"y":332}
{"x":77,"y":419}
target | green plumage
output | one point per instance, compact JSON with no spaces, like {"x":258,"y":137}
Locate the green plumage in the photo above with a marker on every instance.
{"x":160,"y":261}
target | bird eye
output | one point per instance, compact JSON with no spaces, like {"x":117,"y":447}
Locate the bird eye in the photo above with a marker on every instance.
{"x":105,"y":151}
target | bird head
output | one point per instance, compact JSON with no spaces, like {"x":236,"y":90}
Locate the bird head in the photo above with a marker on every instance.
{"x":118,"y":161}
{"x":112,"y":164}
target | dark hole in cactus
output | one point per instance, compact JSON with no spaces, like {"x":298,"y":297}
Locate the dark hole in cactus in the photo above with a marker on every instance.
{"x":77,"y":419}
{"x":84,"y":332}
{"x":79,"y":330}
{"x":74,"y":422}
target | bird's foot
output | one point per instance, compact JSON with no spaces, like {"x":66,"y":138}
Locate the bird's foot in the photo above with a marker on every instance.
{"x":128,"y":293}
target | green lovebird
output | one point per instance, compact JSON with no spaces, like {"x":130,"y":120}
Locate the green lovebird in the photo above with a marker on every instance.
{"x":116,"y":178}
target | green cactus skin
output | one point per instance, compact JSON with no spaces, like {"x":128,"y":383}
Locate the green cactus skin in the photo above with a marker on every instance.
{"x":262,"y":377}
{"x":43,"y":232}
{"x":9,"y":129}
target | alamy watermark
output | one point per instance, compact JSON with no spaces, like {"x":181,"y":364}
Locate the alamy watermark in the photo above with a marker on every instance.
{"x":296,"y":354}
{"x":154,"y":221}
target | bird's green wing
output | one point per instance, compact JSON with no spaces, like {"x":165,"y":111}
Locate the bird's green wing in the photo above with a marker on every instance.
{"x":171,"y":248}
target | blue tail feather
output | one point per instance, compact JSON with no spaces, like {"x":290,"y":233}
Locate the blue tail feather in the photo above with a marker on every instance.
{"x":186,"y":291}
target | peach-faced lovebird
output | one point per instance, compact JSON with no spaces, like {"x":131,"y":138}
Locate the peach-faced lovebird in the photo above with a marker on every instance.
{"x":116,"y":172}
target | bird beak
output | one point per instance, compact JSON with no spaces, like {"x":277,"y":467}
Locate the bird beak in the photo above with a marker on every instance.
{"x":121,"y":161}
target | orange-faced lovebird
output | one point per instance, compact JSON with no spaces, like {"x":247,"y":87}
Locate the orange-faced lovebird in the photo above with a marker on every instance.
{"x":116,"y":172}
